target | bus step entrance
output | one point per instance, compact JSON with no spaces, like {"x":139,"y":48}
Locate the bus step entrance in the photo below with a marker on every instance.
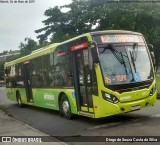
{"x":88,"y":114}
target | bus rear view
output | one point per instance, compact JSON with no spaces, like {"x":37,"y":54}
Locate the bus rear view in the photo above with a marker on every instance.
{"x":125,"y":74}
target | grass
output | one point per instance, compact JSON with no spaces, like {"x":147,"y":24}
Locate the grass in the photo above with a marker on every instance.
{"x":158,"y":85}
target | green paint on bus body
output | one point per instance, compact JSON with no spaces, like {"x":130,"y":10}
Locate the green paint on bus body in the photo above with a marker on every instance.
{"x":128,"y":100}
{"x":46,"y":98}
{"x":49,"y":97}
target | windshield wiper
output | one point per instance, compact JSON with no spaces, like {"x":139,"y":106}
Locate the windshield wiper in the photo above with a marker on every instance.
{"x":133,"y":55}
{"x":133,"y":63}
{"x":135,"y":51}
{"x":117,"y":54}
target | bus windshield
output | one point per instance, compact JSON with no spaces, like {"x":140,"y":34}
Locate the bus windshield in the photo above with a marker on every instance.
{"x":124,"y":64}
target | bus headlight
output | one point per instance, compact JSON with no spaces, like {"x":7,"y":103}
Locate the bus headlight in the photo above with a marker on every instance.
{"x":109,"y":97}
{"x":153,"y":90}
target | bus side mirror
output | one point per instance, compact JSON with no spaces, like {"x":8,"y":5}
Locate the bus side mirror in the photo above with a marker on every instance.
{"x":151,"y":48}
{"x":153,"y":58}
{"x":94,"y":52}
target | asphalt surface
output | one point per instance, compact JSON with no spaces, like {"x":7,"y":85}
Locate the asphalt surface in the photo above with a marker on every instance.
{"x":14,"y":131}
{"x":145,"y":122}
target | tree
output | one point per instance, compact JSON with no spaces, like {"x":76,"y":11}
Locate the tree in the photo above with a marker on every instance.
{"x":27,"y":46}
{"x":64,"y":25}
{"x":92,"y":15}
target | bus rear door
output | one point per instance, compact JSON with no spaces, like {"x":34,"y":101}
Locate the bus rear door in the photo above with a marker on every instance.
{"x":27,"y":84}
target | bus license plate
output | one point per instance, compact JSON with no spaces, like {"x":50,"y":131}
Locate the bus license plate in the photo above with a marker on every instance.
{"x":135,"y":108}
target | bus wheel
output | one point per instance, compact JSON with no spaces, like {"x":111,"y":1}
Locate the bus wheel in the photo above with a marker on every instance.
{"x":65,"y":108}
{"x":19,"y":101}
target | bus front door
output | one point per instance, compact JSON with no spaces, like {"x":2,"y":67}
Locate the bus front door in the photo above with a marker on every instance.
{"x":83,"y":86}
{"x":27,"y":84}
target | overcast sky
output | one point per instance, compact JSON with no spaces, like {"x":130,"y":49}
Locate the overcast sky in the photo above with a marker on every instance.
{"x":18,"y":20}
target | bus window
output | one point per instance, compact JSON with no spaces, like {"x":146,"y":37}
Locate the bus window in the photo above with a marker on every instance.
{"x":36,"y":80}
{"x":62,"y":67}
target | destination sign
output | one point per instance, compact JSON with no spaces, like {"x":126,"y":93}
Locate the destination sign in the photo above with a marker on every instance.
{"x":121,"y":38}
{"x":118,"y":78}
{"x":79,"y":46}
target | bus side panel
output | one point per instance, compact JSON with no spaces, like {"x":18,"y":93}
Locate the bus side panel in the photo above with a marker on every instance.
{"x":11,"y":94}
{"x":48,"y":98}
{"x":71,"y":96}
{"x":22,"y":94}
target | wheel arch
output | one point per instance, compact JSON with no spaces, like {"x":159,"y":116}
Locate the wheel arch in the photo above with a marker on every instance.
{"x":73,"y":110}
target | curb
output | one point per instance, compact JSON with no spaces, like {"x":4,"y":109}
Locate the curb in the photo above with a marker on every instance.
{"x":50,"y":138}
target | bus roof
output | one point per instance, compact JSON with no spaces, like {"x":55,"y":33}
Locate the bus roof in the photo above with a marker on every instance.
{"x":51,"y":47}
{"x":36,"y":53}
{"x":42,"y":51}
{"x":114,"y":32}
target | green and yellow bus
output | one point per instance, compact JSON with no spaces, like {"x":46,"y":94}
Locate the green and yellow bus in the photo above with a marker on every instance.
{"x":96,"y":74}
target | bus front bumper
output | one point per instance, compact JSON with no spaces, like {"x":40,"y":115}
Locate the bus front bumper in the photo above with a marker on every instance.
{"x":110,"y":109}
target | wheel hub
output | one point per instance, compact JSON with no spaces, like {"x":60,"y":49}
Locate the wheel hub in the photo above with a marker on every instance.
{"x":65,"y":106}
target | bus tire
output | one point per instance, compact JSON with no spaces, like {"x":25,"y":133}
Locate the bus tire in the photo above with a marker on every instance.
{"x":19,"y":101}
{"x":65,"y":108}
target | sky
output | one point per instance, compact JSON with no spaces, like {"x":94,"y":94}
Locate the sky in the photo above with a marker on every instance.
{"x":20,"y":20}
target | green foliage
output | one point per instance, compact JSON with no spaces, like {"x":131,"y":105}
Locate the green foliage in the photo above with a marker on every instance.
{"x":92,"y":15}
{"x":28,"y":46}
{"x":12,"y":57}
{"x":6,"y":59}
{"x":95,"y":15}
{"x":4,"y":52}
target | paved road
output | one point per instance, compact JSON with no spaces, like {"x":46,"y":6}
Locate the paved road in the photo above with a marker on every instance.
{"x":145,"y":122}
